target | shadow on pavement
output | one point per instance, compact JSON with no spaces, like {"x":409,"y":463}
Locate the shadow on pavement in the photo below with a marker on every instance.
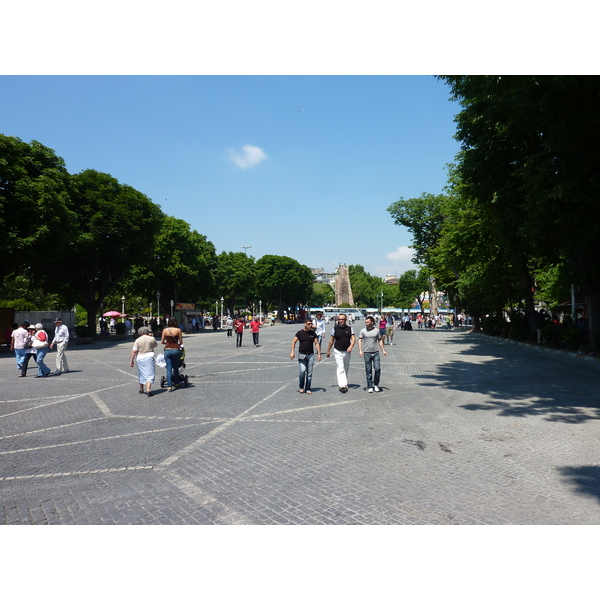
{"x":518,"y":385}
{"x":586,"y":480}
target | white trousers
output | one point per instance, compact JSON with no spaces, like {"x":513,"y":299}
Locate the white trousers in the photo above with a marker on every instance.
{"x":342,"y":360}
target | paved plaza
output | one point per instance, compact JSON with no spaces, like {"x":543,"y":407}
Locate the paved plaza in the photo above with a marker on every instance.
{"x":466,"y":430}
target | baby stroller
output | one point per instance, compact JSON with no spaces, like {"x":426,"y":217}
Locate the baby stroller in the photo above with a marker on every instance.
{"x":183,"y":379}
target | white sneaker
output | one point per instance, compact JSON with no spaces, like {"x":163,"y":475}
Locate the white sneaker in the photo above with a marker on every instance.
{"x":370,"y":390}
{"x":376,"y":389}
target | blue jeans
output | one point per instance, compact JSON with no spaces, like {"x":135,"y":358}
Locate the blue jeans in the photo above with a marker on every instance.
{"x":43,"y":369}
{"x":306,"y":369}
{"x":173,"y":359}
{"x":20,"y":356}
{"x":372,"y":363}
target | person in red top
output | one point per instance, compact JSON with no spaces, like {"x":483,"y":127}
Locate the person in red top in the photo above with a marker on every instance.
{"x":239,"y":331}
{"x":255,"y":326}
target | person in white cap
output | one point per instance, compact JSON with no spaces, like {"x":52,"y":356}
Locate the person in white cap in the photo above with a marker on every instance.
{"x":61,"y":339}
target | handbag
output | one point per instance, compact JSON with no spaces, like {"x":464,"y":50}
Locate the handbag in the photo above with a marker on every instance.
{"x":37,"y":343}
{"x":28,"y":343}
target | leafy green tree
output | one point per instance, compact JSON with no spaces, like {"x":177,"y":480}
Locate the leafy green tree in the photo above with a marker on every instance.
{"x":469,"y":260}
{"x":424,"y":218}
{"x":284,"y":281}
{"x":36,"y":221}
{"x":116,"y":227}
{"x":366,"y":288}
{"x":530,"y":153}
{"x":322,"y":295}
{"x":22,"y":291}
{"x":412,"y":286}
{"x":235,"y":278}
{"x":182,"y":265}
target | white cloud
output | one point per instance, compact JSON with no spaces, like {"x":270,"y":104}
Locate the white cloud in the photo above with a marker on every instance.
{"x":403,"y":254}
{"x":248,"y":157}
{"x":400,"y":261}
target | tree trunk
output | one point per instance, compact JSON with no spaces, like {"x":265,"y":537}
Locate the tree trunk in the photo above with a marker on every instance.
{"x":433,"y":305}
{"x":280,"y":306}
{"x":591,"y":295}
{"x":526,"y":288}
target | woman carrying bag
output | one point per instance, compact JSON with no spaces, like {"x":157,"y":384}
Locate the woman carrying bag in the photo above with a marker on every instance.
{"x":40,"y":343}
{"x":143,"y":348}
{"x":172,"y":338}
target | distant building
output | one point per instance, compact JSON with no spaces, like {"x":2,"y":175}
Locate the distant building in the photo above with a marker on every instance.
{"x":320,"y":276}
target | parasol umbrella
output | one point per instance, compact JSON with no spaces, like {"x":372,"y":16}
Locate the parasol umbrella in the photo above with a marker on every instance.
{"x":112,"y":313}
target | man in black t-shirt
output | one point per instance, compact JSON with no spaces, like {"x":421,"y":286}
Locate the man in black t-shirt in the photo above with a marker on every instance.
{"x":342,"y":340}
{"x":306,"y":355}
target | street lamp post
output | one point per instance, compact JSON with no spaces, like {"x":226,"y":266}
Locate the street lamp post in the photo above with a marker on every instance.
{"x":123,"y":305}
{"x":157,"y":306}
{"x":260,"y":309}
{"x":246,"y":249}
{"x":221,"y":322}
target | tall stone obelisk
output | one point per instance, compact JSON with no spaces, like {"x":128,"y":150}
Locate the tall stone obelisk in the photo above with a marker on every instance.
{"x":343,"y":291}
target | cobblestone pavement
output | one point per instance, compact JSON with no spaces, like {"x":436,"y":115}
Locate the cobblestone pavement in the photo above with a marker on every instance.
{"x":466,"y":430}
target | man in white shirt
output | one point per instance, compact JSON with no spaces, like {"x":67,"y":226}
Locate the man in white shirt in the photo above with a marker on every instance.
{"x":17,"y":343}
{"x":61,"y":339}
{"x":319,"y":325}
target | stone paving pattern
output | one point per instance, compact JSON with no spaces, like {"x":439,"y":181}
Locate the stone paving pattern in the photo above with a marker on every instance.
{"x":466,"y":430}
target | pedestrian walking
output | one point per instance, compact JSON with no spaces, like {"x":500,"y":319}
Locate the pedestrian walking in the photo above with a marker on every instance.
{"x":229,"y":326}
{"x":255,"y":327}
{"x":30,"y":351}
{"x":239,"y":331}
{"x":17,"y":343}
{"x":308,"y":339}
{"x":342,"y":340}
{"x":172,"y":338}
{"x":40,"y":343}
{"x":448,"y":321}
{"x":61,"y":340}
{"x":389,"y":330}
{"x":320,"y":326}
{"x":382,"y":326}
{"x":143,"y":350}
{"x":369,"y":342}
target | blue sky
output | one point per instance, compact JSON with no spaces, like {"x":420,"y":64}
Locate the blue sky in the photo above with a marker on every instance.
{"x":302,"y":166}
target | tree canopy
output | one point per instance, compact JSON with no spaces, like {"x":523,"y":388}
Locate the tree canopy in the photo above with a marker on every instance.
{"x":36,"y":219}
{"x":530,"y":159}
{"x":236,"y":277}
{"x":284,"y":281}
{"x":116,"y":227}
{"x":181,"y":265}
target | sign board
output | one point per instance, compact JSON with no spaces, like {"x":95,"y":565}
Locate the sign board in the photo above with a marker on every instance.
{"x":185,"y":306}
